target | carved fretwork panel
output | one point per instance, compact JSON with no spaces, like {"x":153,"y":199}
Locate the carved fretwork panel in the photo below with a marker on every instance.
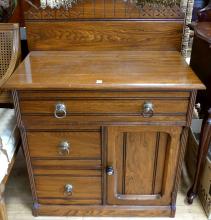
{"x":103,"y":9}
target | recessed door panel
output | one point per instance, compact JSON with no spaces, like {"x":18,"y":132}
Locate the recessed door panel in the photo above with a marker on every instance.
{"x":143,"y":160}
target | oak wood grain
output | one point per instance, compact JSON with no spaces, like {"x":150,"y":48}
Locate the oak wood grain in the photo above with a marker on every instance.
{"x":67,"y":172}
{"x":106,"y":94}
{"x":100,"y":106}
{"x":50,"y":163}
{"x":129,"y":211}
{"x":84,"y":188}
{"x":25,"y":145}
{"x":81,"y":144}
{"x":145,"y":167}
{"x":140,"y":155}
{"x":159,"y":163}
{"x":102,"y":70}
{"x":50,"y":122}
{"x":165,"y":152}
{"x":105,"y":35}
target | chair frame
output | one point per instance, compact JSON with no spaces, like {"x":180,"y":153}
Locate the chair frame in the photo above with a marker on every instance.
{"x":15,"y":57}
{"x":5,"y":99}
{"x":3,"y":211}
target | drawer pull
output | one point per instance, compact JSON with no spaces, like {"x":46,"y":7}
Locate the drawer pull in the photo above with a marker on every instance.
{"x":68,"y":189}
{"x":60,"y":110}
{"x":148,"y":110}
{"x":64,"y":148}
{"x":110,"y":171}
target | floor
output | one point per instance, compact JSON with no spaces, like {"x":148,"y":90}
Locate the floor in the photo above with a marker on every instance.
{"x":19,"y":202}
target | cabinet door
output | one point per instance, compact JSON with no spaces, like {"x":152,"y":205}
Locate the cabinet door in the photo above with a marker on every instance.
{"x":141,"y":164}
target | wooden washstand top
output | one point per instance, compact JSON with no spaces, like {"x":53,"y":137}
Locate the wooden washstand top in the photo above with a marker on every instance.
{"x":104,"y":70}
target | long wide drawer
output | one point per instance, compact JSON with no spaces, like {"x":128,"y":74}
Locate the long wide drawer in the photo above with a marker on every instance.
{"x":68,"y":189}
{"x":48,"y":110}
{"x":72,"y":145}
{"x":104,"y":106}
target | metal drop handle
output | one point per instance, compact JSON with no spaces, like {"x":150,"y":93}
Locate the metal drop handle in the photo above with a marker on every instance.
{"x":148,"y":110}
{"x":64,"y":148}
{"x":110,"y":171}
{"x":68,"y":189}
{"x":60,"y":110}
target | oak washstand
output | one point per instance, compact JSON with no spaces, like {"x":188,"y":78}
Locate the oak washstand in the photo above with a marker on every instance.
{"x":104,"y":133}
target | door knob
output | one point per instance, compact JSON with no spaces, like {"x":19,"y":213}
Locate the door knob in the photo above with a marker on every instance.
{"x":110,"y":171}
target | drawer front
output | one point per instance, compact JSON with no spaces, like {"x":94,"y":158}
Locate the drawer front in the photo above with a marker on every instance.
{"x":68,"y":189}
{"x":72,"y":145}
{"x":105,"y":107}
{"x":94,"y":108}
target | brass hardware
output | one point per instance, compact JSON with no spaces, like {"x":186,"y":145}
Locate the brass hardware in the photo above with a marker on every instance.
{"x":148,"y":110}
{"x":60,"y":110}
{"x":68,"y":189}
{"x":110,"y":171}
{"x":64,"y":148}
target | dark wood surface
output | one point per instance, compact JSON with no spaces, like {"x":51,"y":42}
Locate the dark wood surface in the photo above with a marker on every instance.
{"x":18,"y":14}
{"x":87,"y":69}
{"x":204,"y":143}
{"x":202,"y":30}
{"x":204,"y":15}
{"x":200,"y":63}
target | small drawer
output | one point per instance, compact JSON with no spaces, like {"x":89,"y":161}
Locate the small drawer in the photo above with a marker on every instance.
{"x":72,"y":145}
{"x":68,"y":189}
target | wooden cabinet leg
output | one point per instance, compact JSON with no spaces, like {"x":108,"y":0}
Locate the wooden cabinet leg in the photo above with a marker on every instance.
{"x":3,"y":212}
{"x":204,"y":142}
